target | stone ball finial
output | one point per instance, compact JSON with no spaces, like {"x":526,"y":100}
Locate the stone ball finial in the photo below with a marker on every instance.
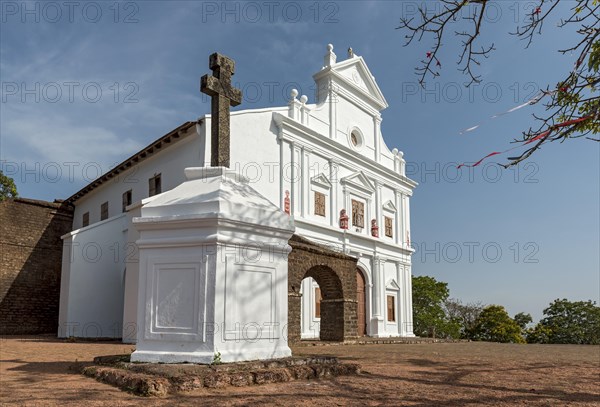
{"x":395,"y":151}
{"x":329,"y":47}
{"x":294,"y":93}
{"x":303,"y":99}
{"x":400,"y":154}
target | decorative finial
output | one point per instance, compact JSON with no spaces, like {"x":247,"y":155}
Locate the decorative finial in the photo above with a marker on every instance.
{"x":350,"y":53}
{"x":395,"y":151}
{"x":294,"y":93}
{"x":303,"y":99}
{"x":330,"y":57}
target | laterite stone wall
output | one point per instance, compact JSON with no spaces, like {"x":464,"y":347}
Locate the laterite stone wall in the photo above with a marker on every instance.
{"x":30,"y":264}
{"x":336,"y":275}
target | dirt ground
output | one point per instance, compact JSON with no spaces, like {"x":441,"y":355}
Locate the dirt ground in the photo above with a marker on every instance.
{"x":37,"y":371}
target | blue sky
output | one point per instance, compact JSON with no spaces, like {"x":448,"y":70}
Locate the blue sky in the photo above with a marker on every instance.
{"x":84,"y":87}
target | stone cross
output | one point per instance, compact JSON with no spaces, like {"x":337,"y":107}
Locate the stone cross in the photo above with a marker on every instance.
{"x":223,"y":94}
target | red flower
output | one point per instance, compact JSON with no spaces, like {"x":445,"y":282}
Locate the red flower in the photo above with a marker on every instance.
{"x":428,"y":54}
{"x":438,"y":64}
{"x":538,"y":10}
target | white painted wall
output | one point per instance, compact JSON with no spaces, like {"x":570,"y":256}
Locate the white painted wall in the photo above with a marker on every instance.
{"x":92,"y":281}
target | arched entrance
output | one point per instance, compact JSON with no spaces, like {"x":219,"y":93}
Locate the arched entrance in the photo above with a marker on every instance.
{"x":361,"y":303}
{"x":335,"y":274}
{"x":331,"y":305}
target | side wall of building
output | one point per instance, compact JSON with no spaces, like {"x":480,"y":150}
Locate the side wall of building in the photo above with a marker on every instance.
{"x":30,"y":261}
{"x":93,"y":280}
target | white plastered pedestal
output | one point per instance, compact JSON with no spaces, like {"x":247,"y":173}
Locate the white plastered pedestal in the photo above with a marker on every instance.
{"x":213,"y":272}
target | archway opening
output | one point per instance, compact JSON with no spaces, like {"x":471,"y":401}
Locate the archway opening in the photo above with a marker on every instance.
{"x":334,"y":274}
{"x":322,"y":305}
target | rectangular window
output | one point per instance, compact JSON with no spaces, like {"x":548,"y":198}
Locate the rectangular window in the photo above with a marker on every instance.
{"x":358,"y":214}
{"x":154,"y":185}
{"x":389,"y":224}
{"x":104,"y":211}
{"x":391,"y":308}
{"x":126,"y":199}
{"x":317,"y":302}
{"x":86,"y":220}
{"x":319,"y":204}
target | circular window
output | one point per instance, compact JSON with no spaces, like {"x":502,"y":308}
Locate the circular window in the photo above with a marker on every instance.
{"x":356,"y":139}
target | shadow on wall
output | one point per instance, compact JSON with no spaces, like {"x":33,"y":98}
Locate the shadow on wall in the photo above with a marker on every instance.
{"x":30,"y":264}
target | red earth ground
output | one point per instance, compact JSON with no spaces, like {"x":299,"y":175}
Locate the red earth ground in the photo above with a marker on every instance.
{"x":39,"y":371}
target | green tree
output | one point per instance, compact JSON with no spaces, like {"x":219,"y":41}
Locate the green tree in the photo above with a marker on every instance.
{"x":8,"y":189}
{"x":573,"y":106}
{"x":538,"y":334}
{"x":522,"y":319}
{"x":464,"y":314}
{"x":430,"y":320}
{"x":495,"y":325}
{"x":568,"y":322}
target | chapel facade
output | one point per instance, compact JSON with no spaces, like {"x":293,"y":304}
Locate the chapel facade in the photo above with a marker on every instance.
{"x":325,"y":164}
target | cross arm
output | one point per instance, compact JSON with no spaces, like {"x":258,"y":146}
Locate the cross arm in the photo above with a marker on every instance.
{"x":214,"y":87}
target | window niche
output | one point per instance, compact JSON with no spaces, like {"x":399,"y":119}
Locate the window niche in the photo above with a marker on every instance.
{"x":320,"y":193}
{"x":392,"y":295}
{"x":388,"y":227}
{"x":358,"y":193}
{"x":320,"y":204}
{"x":154,"y":185}
{"x":104,"y":211}
{"x":127,"y":195}
{"x":358,"y":214}
{"x":391,"y":308}
{"x":389,"y":216}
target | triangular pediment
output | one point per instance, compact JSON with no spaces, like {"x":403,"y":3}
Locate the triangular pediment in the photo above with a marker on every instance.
{"x":321,"y":180}
{"x":389,"y":206}
{"x":355,"y":74}
{"x":359,"y":181}
{"x":392,"y":285}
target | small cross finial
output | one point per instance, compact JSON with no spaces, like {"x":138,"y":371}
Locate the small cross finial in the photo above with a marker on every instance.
{"x":223,"y":95}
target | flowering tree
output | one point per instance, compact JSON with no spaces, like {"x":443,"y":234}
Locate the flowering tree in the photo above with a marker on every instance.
{"x":573,"y":106}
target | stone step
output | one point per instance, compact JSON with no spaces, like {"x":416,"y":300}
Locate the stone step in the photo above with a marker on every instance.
{"x":152,"y":379}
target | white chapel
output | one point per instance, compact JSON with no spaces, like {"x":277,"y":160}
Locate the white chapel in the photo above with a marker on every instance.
{"x":319,"y":170}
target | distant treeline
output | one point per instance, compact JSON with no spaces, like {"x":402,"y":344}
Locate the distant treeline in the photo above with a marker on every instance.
{"x":437,"y":315}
